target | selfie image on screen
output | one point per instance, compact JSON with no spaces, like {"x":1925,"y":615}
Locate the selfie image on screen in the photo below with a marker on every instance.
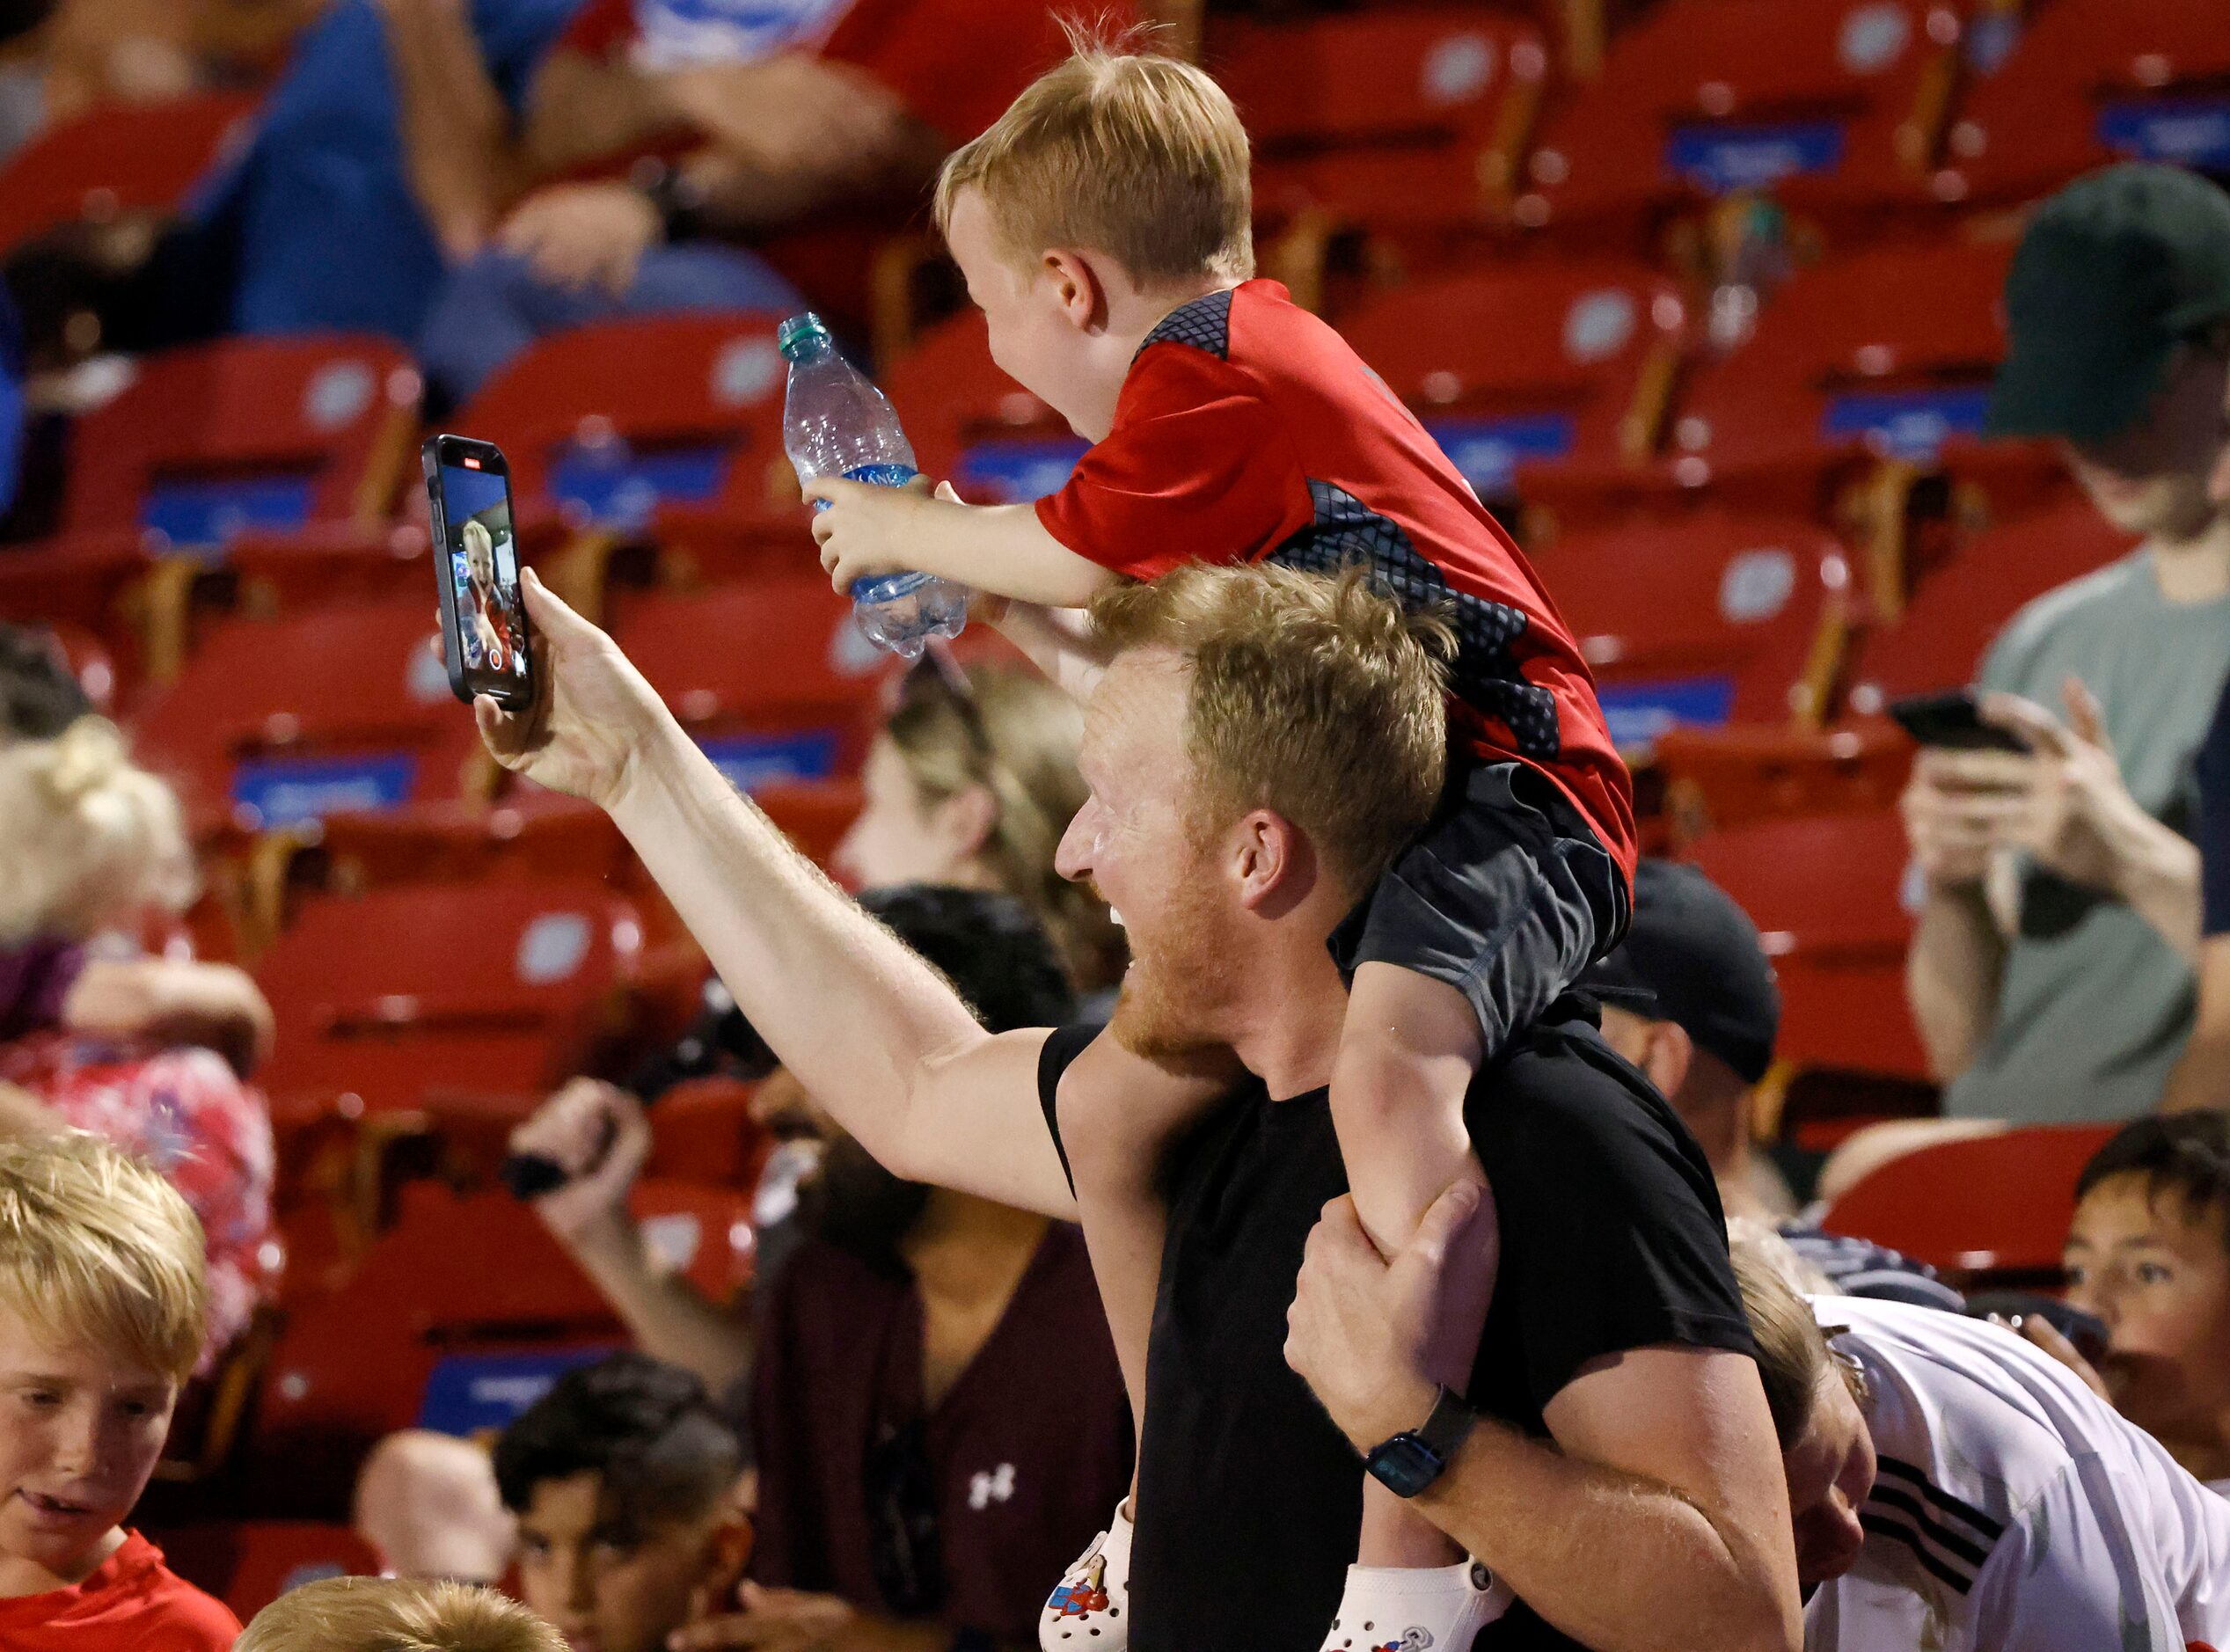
{"x":483,"y":566}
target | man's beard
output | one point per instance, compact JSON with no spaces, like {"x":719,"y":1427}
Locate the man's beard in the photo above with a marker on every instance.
{"x":1179,"y":976}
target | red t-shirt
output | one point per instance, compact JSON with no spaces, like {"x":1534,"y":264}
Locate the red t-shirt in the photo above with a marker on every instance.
{"x":133,"y":1602}
{"x":1248,"y":428}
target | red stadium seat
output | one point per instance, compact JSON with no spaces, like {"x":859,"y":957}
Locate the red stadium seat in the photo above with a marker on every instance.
{"x":2091,"y":82}
{"x":1399,"y":117}
{"x":670,"y":423}
{"x":1955,"y":609}
{"x":1521,"y":368}
{"x":499,"y":990}
{"x":772,"y":677}
{"x":116,"y":159}
{"x":248,"y":1564}
{"x":971,"y":424}
{"x":1995,"y":1205}
{"x":1703,"y":620}
{"x":1825,"y":893}
{"x":278,"y":720}
{"x":269,"y":448}
{"x":457,"y":1319}
{"x":1824,"y":104}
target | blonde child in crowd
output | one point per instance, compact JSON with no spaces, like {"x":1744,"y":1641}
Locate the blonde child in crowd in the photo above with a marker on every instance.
{"x":101,"y":1311}
{"x":397,"y":1614}
{"x":1103,"y":227}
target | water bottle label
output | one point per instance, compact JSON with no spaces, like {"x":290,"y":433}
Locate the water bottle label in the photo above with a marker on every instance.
{"x":875,"y":475}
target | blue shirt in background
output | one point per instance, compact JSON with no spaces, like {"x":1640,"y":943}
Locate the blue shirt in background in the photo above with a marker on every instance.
{"x":315,"y":224}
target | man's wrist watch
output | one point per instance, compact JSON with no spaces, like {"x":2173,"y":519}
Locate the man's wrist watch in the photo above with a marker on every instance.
{"x":1415,"y":1457}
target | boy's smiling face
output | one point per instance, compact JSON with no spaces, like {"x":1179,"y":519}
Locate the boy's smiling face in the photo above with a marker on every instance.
{"x":80,"y":1430}
{"x":1033,"y":313}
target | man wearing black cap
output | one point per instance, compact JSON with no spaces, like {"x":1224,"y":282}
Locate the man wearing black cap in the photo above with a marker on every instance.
{"x":2050,"y":972}
{"x":1689,"y":999}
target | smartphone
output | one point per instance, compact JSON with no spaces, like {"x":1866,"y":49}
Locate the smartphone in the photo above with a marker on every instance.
{"x":1953,"y":719}
{"x":476,"y":566}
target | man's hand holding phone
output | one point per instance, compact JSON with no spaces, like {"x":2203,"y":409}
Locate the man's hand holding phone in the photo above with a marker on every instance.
{"x":592,"y":714}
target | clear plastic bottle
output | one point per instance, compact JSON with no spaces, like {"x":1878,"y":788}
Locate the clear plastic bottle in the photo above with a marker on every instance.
{"x":835,"y":422}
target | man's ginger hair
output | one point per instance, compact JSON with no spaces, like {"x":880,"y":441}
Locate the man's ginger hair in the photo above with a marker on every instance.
{"x":1316,"y":696}
{"x":1131,"y":154}
{"x":96,"y":1249}
{"x":396,"y":1614}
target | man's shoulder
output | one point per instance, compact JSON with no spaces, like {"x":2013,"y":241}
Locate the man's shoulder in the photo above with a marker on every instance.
{"x":2063,"y":613}
{"x":1563,"y":1089}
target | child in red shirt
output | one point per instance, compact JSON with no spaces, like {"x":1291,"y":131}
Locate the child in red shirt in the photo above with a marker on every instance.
{"x":1103,"y":228}
{"x":100,"y":1323}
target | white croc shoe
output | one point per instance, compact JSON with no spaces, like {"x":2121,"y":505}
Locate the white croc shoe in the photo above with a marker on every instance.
{"x":1092,"y":1606}
{"x":1419,"y":1609}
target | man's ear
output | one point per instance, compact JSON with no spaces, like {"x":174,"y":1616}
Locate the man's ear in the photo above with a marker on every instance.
{"x":1275,"y":862}
{"x":1080,"y":287}
{"x":1668,"y":1057}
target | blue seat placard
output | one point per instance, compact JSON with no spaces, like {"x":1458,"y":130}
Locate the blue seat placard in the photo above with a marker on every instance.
{"x":1906,"y":424}
{"x":1638,"y":712}
{"x":471,"y":1392}
{"x":1720,"y":157}
{"x":1489,"y":451}
{"x":2181,"y":131}
{"x":616,"y":484}
{"x":202,"y":512}
{"x":286,"y":791}
{"x":1019,"y":472}
{"x":750,"y":761}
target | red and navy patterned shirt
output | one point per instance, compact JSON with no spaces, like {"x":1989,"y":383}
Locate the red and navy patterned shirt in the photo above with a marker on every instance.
{"x":1248,"y":429}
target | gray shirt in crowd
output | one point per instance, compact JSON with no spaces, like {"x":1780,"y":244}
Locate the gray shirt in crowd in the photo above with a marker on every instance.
{"x":2094,"y":1006}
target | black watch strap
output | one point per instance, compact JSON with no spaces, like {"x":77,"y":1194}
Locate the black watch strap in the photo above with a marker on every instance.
{"x":1450,"y":1420}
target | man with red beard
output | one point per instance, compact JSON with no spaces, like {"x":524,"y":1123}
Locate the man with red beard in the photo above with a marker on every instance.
{"x":1261,"y":744}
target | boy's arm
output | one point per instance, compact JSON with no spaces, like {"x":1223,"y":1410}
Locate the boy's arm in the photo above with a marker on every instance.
{"x":1056,"y":640}
{"x":1000,"y":549}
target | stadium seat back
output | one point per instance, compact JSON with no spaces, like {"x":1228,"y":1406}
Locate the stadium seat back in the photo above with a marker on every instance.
{"x":1695,"y":622}
{"x":283,"y":720}
{"x":494,"y":989}
{"x":267,"y":434}
{"x":971,"y":424}
{"x":1526,"y":366}
{"x":771,"y":676}
{"x":684,"y":409}
{"x":1888,"y":351}
{"x":1957,"y":609}
{"x":1996,"y":1205}
{"x":1703,"y":98}
{"x":248,"y":1564}
{"x":1827,"y":895}
{"x":118,"y":158}
{"x":2091,"y":82}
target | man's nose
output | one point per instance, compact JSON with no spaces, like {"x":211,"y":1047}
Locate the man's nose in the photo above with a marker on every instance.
{"x":1073,"y":859}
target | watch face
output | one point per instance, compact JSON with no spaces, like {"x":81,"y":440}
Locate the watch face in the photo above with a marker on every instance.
{"x":1405,"y":1465}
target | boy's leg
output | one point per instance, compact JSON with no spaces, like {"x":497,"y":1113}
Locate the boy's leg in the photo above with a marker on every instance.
{"x":1478,"y":928}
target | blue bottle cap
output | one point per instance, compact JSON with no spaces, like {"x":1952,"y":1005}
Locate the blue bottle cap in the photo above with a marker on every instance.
{"x":799,"y":334}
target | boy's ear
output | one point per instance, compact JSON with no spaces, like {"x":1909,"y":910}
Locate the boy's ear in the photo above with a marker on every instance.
{"x":727,"y":1550}
{"x":1079,"y":288}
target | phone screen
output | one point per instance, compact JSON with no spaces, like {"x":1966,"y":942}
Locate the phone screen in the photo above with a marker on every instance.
{"x":482,"y":550}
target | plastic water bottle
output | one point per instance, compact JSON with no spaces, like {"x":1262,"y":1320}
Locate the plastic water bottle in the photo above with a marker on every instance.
{"x":835,"y":422}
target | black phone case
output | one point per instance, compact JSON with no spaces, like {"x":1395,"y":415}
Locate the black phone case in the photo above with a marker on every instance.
{"x":1951,"y":721}
{"x":517,"y":696}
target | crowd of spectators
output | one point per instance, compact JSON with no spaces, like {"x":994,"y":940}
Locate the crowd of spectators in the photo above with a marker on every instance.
{"x":919,"y":1418}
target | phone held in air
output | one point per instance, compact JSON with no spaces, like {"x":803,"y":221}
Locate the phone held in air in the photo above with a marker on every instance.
{"x":476,"y":563}
{"x":1952,"y":720}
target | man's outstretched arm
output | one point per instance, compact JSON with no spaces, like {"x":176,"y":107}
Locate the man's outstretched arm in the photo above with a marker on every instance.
{"x":875,"y":1034}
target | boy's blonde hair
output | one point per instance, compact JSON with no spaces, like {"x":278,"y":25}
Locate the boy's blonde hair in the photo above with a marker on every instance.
{"x":1314,"y":695}
{"x":91,"y":839}
{"x":97,"y":1248}
{"x":396,"y":1614}
{"x":1127,"y":153}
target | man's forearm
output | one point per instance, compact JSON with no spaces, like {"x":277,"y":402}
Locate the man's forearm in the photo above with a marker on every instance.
{"x":2157,"y":874}
{"x":853,"y":1014}
{"x":663,"y":1312}
{"x":1951,"y":975}
{"x":455,"y":131}
{"x":1616,"y":1562}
